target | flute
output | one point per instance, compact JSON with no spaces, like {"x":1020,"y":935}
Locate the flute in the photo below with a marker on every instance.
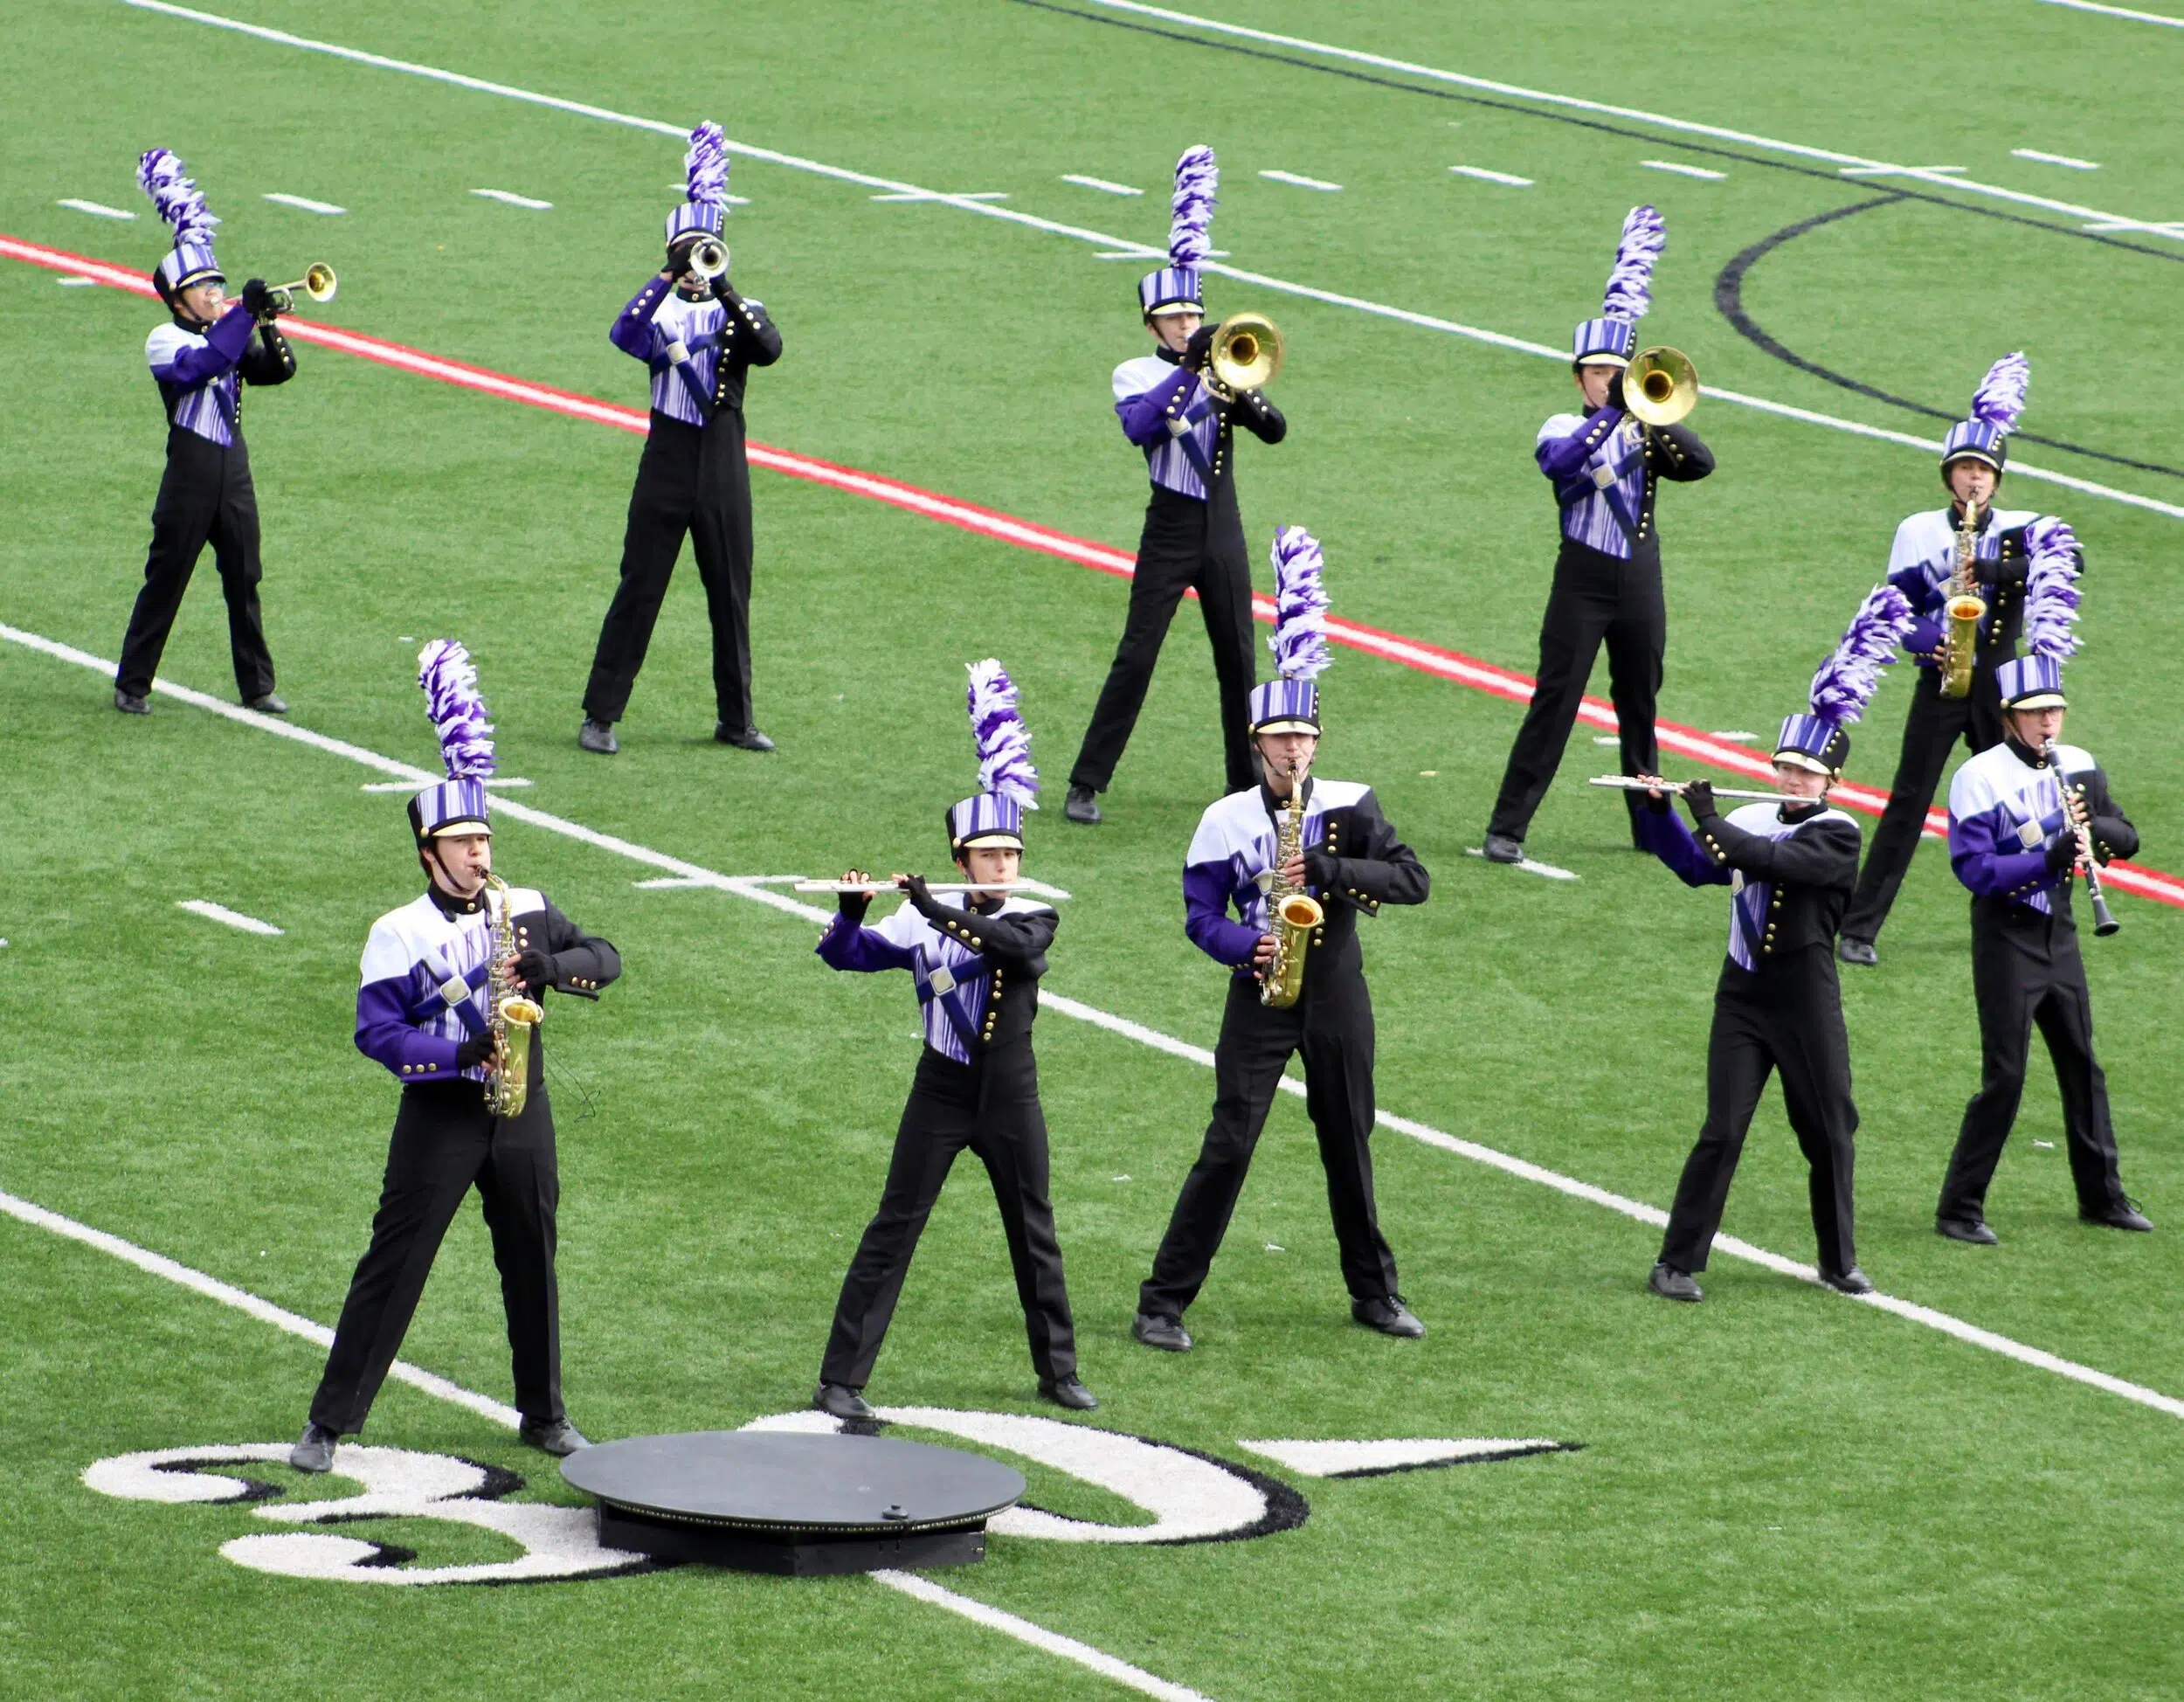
{"x":931,"y":886}
{"x":1631,"y":783}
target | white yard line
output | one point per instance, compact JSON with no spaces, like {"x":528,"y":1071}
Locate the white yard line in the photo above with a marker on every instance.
{"x":1729,"y":1246}
{"x":1486,"y":177}
{"x":2056,"y":159}
{"x":242,"y":1300}
{"x":2120,"y":11}
{"x":205,"y":907}
{"x":305,"y":204}
{"x":1527,"y":865}
{"x":1101,"y":183}
{"x":939,"y":195}
{"x":1120,"y":248}
{"x":1681,"y":170}
{"x":514,"y":199}
{"x":96,"y":209}
{"x":1302,"y":183}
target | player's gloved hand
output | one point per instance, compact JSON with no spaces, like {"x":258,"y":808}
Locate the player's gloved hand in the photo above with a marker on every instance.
{"x":2064,"y":854}
{"x":257,"y":299}
{"x":853,"y":904}
{"x":473,"y":1051}
{"x":535,"y":970}
{"x":923,"y":900}
{"x":678,"y":251}
{"x":1198,"y":354}
{"x":1615,"y":389}
{"x":1699,"y":795}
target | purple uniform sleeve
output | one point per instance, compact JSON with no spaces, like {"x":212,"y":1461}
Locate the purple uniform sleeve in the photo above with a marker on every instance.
{"x":1205,"y":917}
{"x":1990,"y":868}
{"x":224,"y":345}
{"x":1669,"y":839}
{"x":1563,"y":458}
{"x":384,"y":1033}
{"x":632,"y":331}
{"x":1145,"y":415}
{"x":849,"y":944}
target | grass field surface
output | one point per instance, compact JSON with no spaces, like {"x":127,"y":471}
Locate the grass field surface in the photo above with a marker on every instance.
{"x":1779,"y":1492}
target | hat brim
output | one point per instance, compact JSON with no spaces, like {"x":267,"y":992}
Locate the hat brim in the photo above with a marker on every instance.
{"x":1287,"y":725}
{"x":995,"y":840}
{"x":205,"y":274}
{"x":1162,"y":310}
{"x":1984,"y":457}
{"x":2040,"y":700}
{"x":464,"y":827}
{"x":1601,"y":358}
{"x":1805,"y":760}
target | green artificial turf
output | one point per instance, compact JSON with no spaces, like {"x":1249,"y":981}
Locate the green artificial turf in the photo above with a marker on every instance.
{"x":1776,"y":1493}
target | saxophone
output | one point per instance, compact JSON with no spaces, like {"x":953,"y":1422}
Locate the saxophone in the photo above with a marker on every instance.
{"x":1294,"y":912}
{"x":1964,"y":611}
{"x":511,"y":1014}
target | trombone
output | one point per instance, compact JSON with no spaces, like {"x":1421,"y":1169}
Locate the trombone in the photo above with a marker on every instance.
{"x":1246,"y":355}
{"x":318,"y":282}
{"x":1659,"y":385}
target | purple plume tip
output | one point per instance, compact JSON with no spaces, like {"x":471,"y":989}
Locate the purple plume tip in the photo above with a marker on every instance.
{"x":1005,"y":743}
{"x":1630,"y":280}
{"x":1300,"y":605}
{"x":2000,"y":396}
{"x":705,"y":167}
{"x":176,"y":196}
{"x":459,"y":713}
{"x":2051,"y":592}
{"x":1190,"y":219}
{"x":1847,"y":679}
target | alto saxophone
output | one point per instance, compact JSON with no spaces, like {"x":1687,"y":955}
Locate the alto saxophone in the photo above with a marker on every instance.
{"x":1294,"y":912}
{"x":511,"y":1014}
{"x":1964,"y":611}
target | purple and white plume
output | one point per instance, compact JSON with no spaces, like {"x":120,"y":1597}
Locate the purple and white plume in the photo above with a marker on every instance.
{"x":705,"y":167}
{"x":179,"y":201}
{"x":1847,"y":679}
{"x":1300,"y":606}
{"x":1630,"y":280}
{"x":1005,"y":743}
{"x":1190,"y":215}
{"x":2051,"y":592}
{"x":2000,"y":396}
{"x":459,"y":713}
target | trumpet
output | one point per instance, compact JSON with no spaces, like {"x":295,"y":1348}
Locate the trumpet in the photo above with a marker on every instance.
{"x":1247,"y":354}
{"x":318,"y":282}
{"x":1659,"y":385}
{"x":1675,"y":788}
{"x":708,"y":257}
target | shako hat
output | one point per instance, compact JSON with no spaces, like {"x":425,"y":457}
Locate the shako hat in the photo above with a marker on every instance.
{"x":704,"y":207}
{"x":1174,"y":289}
{"x":179,"y":201}
{"x":1995,"y":405}
{"x":1611,"y":339}
{"x":1845,"y":684}
{"x":456,"y":805}
{"x":1008,"y":784}
{"x":2034,"y":680}
{"x":1291,"y":703}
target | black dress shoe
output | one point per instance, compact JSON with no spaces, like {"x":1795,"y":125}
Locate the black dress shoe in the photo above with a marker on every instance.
{"x":598,"y":736}
{"x":1965,"y":1229}
{"x":1853,"y":1281}
{"x":316,"y":1451}
{"x":839,"y":1400}
{"x":750,"y":739}
{"x":1673,"y":1284}
{"x":556,"y":1436}
{"x":2124,"y":1214}
{"x":1165,"y":1333}
{"x":129,"y":704}
{"x":1501,"y":849}
{"x":1858,"y":951}
{"x":1068,"y":1392}
{"x":266,"y":703}
{"x":1387,"y":1314}
{"x":1079,"y":807}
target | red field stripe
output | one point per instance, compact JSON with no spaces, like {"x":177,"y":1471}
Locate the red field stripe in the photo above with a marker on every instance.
{"x":1415,"y":653}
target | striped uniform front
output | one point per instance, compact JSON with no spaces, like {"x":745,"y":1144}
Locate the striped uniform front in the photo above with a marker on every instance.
{"x":1924,"y":557}
{"x":953,"y":981}
{"x":1233,"y":852}
{"x":207,"y":408}
{"x":1749,"y":900}
{"x":685,"y":356}
{"x":1602,"y":499}
{"x":1178,"y":460}
{"x":2004,"y":814}
{"x":414,"y":958}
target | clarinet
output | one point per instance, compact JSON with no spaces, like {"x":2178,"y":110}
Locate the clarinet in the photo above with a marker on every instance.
{"x":2104,"y":923}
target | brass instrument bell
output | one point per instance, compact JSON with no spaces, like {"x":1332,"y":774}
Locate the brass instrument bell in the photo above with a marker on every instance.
{"x":1246,"y":353}
{"x":317,"y":282}
{"x":709,"y":257}
{"x":1659,"y":385}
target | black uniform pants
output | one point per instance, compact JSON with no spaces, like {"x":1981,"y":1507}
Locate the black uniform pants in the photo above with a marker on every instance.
{"x":1788,"y":1020}
{"x":993,"y":1109}
{"x":1331,"y":1025}
{"x":1185,"y":545}
{"x":2026,"y":969}
{"x":1596,"y":598}
{"x":1933,"y":725}
{"x":696,"y":481}
{"x":445,"y":1142}
{"x":206,"y":496}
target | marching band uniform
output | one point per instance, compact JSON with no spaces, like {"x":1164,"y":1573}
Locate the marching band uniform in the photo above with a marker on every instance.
{"x":1354,"y":864}
{"x":422,"y":1012}
{"x":1193,"y":537}
{"x":975,"y":962}
{"x":1922,"y":561}
{"x":205,"y":496}
{"x":2015,"y":850}
{"x":693,"y":477}
{"x":1605,"y":468}
{"x":1778,"y":1006}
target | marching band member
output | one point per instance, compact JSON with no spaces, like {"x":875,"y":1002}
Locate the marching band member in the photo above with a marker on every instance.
{"x":201,"y":360}
{"x":976,"y":958}
{"x":1253,"y":850}
{"x":2023,"y":816}
{"x":1605,"y":467}
{"x":701,"y":339}
{"x":1193,"y":538}
{"x":424,"y":1011}
{"x":1921,"y":564}
{"x":1778,"y":1005}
